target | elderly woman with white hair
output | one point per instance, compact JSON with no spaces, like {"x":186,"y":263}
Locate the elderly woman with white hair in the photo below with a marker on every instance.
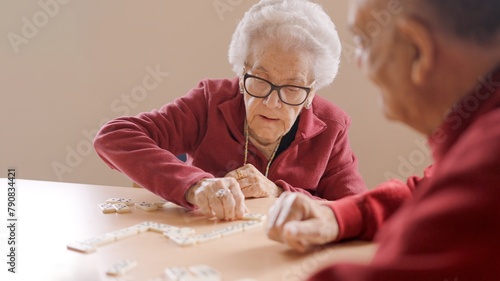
{"x":257,"y":135}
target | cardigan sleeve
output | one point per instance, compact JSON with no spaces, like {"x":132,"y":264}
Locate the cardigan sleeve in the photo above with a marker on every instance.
{"x":144,"y":147}
{"x":361,"y":215}
{"x":449,"y":234}
{"x":341,"y":177}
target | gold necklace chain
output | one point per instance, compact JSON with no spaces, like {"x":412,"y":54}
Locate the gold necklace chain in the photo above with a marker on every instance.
{"x":246,"y":150}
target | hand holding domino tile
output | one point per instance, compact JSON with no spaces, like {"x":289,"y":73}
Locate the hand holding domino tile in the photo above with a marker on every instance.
{"x":253,"y":183}
{"x":218,"y":197}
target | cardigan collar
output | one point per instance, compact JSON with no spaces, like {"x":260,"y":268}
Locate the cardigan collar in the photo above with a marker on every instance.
{"x":484,"y":98}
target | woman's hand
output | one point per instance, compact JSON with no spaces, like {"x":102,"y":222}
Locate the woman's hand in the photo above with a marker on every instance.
{"x":253,"y":183}
{"x":218,"y":197}
{"x":301,"y":222}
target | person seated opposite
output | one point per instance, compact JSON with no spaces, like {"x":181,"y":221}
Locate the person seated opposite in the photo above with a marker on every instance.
{"x":437,"y":64}
{"x":252,"y":136}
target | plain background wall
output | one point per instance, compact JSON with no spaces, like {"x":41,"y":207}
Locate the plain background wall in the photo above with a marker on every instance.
{"x":68,"y":66}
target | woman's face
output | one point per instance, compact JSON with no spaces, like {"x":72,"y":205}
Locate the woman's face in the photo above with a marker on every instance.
{"x":269,"y":118}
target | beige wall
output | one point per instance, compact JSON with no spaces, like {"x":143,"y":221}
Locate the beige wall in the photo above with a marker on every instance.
{"x":68,"y":66}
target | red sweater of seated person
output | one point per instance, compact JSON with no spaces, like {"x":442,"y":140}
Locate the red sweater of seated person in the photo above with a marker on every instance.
{"x":446,"y":225}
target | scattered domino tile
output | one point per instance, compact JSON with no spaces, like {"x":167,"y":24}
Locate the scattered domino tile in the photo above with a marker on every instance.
{"x":175,"y":273}
{"x":193,"y":273}
{"x":205,"y":272}
{"x":128,"y":202}
{"x":121,"y":208}
{"x":160,"y":203}
{"x":255,"y":216}
{"x":106,"y":208}
{"x":81,"y":247}
{"x":121,"y":267}
{"x":146,"y":206}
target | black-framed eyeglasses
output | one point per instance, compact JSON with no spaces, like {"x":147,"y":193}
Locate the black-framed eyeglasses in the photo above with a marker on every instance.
{"x":288,"y":94}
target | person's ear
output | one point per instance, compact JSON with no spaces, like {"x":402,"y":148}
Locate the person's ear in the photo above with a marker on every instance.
{"x":419,"y":38}
{"x":308,"y":102}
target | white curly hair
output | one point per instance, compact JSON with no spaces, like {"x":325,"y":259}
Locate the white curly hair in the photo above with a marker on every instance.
{"x":300,"y":25}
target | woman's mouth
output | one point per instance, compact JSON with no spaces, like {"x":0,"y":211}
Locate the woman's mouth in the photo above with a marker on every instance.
{"x":269,"y":118}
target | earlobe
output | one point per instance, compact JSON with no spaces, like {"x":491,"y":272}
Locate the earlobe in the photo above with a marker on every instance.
{"x":308,"y":102}
{"x":423,"y":58}
{"x":242,"y":90}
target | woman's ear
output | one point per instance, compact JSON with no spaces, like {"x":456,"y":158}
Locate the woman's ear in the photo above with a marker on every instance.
{"x":418,"y":37}
{"x":309,"y":99}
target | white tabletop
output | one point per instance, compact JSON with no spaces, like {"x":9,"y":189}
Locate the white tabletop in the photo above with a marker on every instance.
{"x":51,"y":215}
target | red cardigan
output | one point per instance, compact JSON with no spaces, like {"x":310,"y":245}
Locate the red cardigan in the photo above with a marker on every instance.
{"x":207,"y":124}
{"x":445,"y":226}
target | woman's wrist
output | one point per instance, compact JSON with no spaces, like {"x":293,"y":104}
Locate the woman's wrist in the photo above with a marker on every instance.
{"x":190,"y":193}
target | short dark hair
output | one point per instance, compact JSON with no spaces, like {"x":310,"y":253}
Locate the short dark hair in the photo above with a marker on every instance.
{"x":476,"y":20}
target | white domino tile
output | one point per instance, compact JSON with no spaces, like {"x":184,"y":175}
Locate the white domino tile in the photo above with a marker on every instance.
{"x":124,"y":233}
{"x":121,"y":267}
{"x":184,"y":231}
{"x":106,"y":208}
{"x":193,"y":273}
{"x":160,"y":203}
{"x":205,"y":273}
{"x":100,"y":240}
{"x":210,"y":236}
{"x":140,"y":228}
{"x":230,"y":230}
{"x":126,"y":201}
{"x":81,"y":247}
{"x":176,"y":273}
{"x":121,"y":208}
{"x":254,"y":216}
{"x":160,"y":227}
{"x":183,"y":240}
{"x":251,"y":225}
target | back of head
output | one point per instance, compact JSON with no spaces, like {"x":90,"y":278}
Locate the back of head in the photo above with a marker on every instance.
{"x":298,"y":25}
{"x":477,"y":21}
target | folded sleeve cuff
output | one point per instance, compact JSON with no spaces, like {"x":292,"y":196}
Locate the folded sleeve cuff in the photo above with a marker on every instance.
{"x":349,"y":217}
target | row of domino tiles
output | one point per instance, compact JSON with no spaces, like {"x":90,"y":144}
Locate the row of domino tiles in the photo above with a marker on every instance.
{"x":184,"y":236}
{"x":122,"y":205}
